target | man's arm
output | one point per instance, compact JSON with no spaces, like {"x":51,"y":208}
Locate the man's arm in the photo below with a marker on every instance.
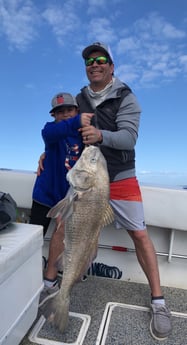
{"x":127,"y":120}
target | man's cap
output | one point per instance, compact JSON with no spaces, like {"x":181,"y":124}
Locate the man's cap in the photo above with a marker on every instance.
{"x":63,"y":99}
{"x":97,"y":46}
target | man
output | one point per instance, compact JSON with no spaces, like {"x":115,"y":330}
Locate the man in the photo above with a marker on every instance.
{"x":116,"y":131}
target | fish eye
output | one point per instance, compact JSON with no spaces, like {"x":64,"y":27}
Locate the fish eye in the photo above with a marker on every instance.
{"x":93,"y":160}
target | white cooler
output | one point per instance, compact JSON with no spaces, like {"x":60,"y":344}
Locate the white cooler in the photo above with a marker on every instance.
{"x":21,"y":280}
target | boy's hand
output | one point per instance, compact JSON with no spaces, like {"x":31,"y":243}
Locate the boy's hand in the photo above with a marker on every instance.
{"x":86,"y":119}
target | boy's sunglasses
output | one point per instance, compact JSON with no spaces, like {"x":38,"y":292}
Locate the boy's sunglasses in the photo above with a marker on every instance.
{"x":100,"y":60}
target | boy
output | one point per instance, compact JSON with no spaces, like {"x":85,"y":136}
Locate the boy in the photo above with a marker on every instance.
{"x":63,"y":146}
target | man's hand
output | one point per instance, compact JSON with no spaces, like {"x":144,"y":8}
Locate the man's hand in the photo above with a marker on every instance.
{"x":91,"y":135}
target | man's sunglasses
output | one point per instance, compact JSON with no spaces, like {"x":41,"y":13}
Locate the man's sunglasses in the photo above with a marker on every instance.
{"x":100,"y":60}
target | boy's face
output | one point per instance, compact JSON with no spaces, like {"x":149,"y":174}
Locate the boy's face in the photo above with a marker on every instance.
{"x":64,"y":113}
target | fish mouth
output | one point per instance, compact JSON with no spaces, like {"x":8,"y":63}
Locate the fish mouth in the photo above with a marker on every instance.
{"x":81,"y":189}
{"x":80,"y":173}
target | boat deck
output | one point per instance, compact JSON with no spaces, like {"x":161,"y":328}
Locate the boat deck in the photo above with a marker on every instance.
{"x":107,"y":311}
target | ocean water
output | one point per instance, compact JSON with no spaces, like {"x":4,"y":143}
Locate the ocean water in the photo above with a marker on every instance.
{"x":163,"y":180}
{"x":167,"y":180}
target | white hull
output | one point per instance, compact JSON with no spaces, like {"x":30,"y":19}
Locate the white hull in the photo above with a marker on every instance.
{"x":166,"y":219}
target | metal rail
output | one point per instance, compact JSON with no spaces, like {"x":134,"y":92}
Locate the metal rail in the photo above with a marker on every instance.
{"x":124,"y":249}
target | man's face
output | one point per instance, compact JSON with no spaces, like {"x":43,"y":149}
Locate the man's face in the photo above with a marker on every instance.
{"x":99,"y":75}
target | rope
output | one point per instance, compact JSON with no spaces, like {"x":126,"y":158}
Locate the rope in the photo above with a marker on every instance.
{"x":102,"y":270}
{"x":97,"y":269}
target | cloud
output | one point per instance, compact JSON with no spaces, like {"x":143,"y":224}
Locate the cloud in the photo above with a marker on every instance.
{"x":30,"y":86}
{"x":183,"y":61}
{"x":155,"y":26}
{"x":101,"y":27}
{"x":127,"y":72}
{"x":153,"y":47}
{"x":94,"y":5}
{"x":149,"y":52}
{"x":18,"y":19}
{"x":62,"y":19}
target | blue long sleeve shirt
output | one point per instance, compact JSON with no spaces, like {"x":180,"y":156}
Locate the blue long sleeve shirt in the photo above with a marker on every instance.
{"x":63,"y":146}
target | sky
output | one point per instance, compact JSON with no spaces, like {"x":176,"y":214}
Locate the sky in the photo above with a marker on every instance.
{"x":41,"y":43}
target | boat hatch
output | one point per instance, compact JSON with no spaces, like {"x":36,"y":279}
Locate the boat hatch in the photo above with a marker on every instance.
{"x":127,"y":324}
{"x":43,"y":334}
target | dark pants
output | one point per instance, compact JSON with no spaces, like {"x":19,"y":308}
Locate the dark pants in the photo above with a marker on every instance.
{"x":38,"y":215}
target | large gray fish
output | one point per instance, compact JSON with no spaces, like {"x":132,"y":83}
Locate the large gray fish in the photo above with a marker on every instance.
{"x":84,"y":210}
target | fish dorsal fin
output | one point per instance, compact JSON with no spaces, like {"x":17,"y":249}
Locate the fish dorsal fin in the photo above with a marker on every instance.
{"x":108,"y":216}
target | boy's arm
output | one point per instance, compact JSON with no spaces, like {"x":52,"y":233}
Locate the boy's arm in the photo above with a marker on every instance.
{"x":53,"y":132}
{"x":85,"y":121}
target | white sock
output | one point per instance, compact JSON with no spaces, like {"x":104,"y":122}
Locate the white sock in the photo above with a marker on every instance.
{"x":49,"y":283}
{"x":158,"y":301}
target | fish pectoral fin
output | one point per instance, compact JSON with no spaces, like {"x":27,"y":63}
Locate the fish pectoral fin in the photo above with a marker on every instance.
{"x":58,"y":209}
{"x":108,"y":216}
{"x":64,"y":207}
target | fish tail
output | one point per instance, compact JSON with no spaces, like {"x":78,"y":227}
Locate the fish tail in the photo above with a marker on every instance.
{"x":61,"y":314}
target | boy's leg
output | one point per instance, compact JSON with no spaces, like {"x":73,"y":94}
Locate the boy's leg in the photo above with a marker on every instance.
{"x":56,"y":248}
{"x":38,"y":215}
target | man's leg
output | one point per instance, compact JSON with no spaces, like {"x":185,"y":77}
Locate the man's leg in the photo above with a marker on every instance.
{"x":147,"y":258}
{"x":160,"y":325}
{"x":126,"y":200}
